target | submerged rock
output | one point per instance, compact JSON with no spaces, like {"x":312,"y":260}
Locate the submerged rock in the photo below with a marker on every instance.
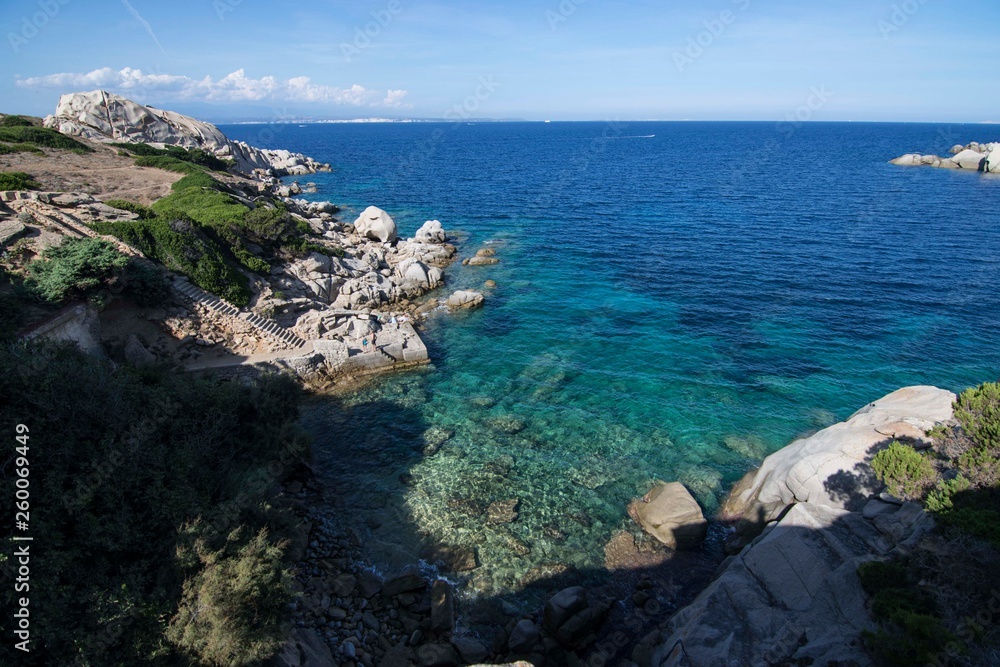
{"x":502,"y":511}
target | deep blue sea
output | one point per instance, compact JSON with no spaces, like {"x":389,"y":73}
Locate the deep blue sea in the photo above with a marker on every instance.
{"x":669,"y":307}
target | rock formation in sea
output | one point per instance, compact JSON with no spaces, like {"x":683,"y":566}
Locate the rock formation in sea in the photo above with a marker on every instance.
{"x":105,"y":117}
{"x":975,"y":156}
{"x":792,"y":594}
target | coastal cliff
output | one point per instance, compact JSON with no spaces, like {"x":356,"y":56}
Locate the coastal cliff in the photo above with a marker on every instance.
{"x":792,"y":594}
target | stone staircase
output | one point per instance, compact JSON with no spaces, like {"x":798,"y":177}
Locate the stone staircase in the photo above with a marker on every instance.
{"x":266,"y":326}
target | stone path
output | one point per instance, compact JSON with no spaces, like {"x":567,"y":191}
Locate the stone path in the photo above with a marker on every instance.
{"x":268,"y":327}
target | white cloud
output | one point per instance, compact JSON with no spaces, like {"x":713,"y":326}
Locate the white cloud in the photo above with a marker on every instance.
{"x":394,"y":99}
{"x":234,"y":87}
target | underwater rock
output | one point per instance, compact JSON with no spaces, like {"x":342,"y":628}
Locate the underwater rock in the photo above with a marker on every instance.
{"x":451,"y":558}
{"x":502,"y":511}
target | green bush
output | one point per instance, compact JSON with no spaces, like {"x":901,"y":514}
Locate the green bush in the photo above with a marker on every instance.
{"x":72,"y":268}
{"x":251,"y":261}
{"x":905,"y":472}
{"x":231,"y":610}
{"x":7,"y":149}
{"x":196,"y":180}
{"x":144,"y":212}
{"x":940,"y":498}
{"x":193,"y":155}
{"x":175,"y":241}
{"x":16,"y":121}
{"x":41,"y":136}
{"x":122,"y":461}
{"x":978,"y":412}
{"x":17,"y":180}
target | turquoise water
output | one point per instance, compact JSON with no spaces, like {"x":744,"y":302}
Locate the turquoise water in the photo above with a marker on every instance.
{"x":666,"y":308}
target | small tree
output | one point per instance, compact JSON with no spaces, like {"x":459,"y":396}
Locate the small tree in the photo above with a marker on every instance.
{"x":232,"y":609}
{"x":978,"y":411}
{"x":904,"y":471}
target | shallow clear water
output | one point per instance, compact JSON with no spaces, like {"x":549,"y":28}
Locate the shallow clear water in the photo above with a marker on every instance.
{"x":668,"y":308}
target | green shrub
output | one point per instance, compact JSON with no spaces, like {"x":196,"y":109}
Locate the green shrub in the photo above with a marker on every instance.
{"x":7,"y":149}
{"x":940,"y":498}
{"x":197,"y":179}
{"x":17,"y":180}
{"x":231,"y":611}
{"x":193,"y":155}
{"x":41,"y":136}
{"x":16,"y":121}
{"x":251,"y":261}
{"x":72,"y":268}
{"x":144,"y":212}
{"x":905,"y":472}
{"x":123,"y":460}
{"x":978,"y":412}
{"x":983,"y":524}
{"x":175,"y":241}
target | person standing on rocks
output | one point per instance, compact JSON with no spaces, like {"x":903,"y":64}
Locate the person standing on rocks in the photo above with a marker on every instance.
{"x":374,"y":347}
{"x":364,"y":345}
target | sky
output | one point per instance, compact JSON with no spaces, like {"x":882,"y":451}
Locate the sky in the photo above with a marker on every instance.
{"x":225,"y":60}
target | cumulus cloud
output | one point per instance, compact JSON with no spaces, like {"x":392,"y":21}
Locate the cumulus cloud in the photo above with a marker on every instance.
{"x":234,"y":87}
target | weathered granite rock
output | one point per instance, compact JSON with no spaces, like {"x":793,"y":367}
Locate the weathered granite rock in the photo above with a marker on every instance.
{"x":791,"y":597}
{"x":482,"y":261}
{"x":830,"y":468}
{"x":304,"y":649}
{"x":414,"y":273}
{"x":464,"y":299}
{"x":470,"y":649}
{"x":571,"y":619}
{"x":376,"y":224}
{"x":969,"y":159}
{"x":431,"y":232}
{"x":404,"y":583}
{"x":102,"y":116}
{"x":10,"y":231}
{"x":671,"y":515}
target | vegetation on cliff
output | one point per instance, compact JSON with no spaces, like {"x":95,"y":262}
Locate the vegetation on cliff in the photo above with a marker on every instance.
{"x":205,"y":232}
{"x":942,"y":604}
{"x":156,"y":539}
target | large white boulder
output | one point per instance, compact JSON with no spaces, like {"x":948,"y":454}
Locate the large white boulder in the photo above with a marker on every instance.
{"x":831,"y":467}
{"x":376,"y":224}
{"x":463,"y":299}
{"x":415,"y":273}
{"x":969,"y":159}
{"x":431,"y":232}
{"x":102,"y":116}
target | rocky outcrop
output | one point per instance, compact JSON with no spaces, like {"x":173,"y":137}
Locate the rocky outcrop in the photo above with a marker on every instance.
{"x":463,"y":299}
{"x":376,"y":225}
{"x":792,"y":595}
{"x":304,"y":649}
{"x":105,"y":117}
{"x":973,"y":157}
{"x":671,"y":515}
{"x":431,"y":232}
{"x":831,"y":467}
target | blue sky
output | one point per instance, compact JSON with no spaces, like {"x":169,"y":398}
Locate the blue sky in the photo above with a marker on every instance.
{"x":891,"y":60}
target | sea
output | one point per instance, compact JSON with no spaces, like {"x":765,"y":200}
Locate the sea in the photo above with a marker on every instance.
{"x":673,"y":302}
